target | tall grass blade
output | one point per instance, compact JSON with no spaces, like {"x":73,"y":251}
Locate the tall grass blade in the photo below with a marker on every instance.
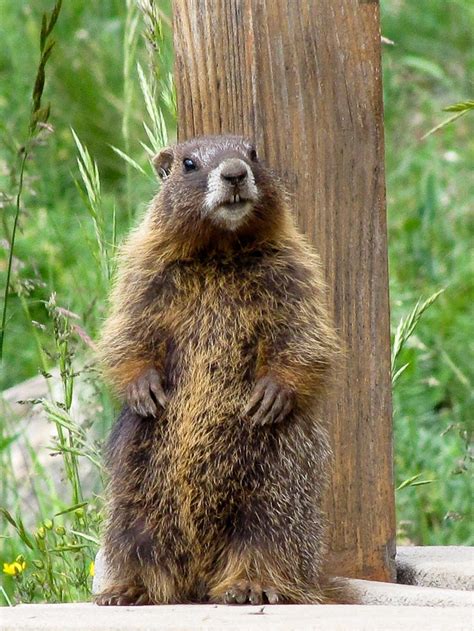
{"x":133,"y":163}
{"x":93,"y":201}
{"x":404,"y":331}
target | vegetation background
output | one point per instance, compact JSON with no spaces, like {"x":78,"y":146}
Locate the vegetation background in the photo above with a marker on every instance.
{"x":80,"y":196}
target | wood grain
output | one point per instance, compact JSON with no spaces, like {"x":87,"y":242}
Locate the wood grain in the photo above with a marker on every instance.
{"x":303,"y":79}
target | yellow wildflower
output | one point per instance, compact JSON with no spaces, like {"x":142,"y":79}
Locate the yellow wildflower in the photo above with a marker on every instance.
{"x":15,"y":568}
{"x":91,"y":569}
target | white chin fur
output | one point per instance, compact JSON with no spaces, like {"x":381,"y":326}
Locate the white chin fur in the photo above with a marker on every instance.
{"x":228,"y":216}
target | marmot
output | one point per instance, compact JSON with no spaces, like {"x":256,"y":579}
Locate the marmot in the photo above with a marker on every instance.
{"x":220,"y":343}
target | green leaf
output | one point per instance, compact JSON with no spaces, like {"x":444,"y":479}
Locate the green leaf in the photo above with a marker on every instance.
{"x":76,"y":546}
{"x":86,"y":537}
{"x":462,"y":106}
{"x":408,"y":482}
{"x":399,"y":372}
{"x":426,"y":66}
{"x":413,"y":481}
{"x":19,"y":527}
{"x":459,"y":109}
{"x":71,"y":508}
{"x":54,"y":16}
{"x":421,"y":482}
{"x":6,"y":442}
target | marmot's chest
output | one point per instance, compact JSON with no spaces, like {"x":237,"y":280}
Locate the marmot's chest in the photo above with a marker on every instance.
{"x":218,"y":300}
{"x":217,"y":320}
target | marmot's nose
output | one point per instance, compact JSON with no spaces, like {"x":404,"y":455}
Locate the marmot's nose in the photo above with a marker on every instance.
{"x":234,"y":171}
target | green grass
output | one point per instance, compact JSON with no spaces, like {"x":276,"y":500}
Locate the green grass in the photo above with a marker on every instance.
{"x":70,"y":220}
{"x":79,"y":197}
{"x":431,"y":227}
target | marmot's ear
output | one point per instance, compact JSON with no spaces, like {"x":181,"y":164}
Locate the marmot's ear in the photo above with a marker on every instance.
{"x":162,"y":162}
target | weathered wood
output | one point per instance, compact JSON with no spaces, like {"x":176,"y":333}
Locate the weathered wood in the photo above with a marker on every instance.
{"x":302,"y":77}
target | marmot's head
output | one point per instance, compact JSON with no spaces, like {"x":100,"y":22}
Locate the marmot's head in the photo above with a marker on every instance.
{"x":218,"y":181}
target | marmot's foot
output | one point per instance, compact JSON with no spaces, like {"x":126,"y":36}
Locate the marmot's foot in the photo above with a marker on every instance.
{"x":249,"y":592}
{"x":269,"y":402}
{"x":128,"y":595}
{"x":146,"y":395}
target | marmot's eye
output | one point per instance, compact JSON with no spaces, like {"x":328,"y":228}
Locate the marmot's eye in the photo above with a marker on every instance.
{"x":189,"y":165}
{"x":253,"y":155}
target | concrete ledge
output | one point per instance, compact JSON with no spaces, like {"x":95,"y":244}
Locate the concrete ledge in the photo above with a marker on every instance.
{"x":375,"y":593}
{"x":451,"y":567}
{"x":88,"y":617}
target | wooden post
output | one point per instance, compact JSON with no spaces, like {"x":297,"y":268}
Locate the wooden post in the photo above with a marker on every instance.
{"x":303,"y":79}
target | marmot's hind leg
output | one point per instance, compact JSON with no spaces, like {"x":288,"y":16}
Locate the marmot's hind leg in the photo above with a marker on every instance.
{"x":257,"y":577}
{"x":274,"y":552}
{"x":133,"y":584}
{"x":136,"y":574}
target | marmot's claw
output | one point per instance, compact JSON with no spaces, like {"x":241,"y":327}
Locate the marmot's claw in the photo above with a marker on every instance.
{"x":272,"y":596}
{"x":250,"y":593}
{"x":146,"y":394}
{"x":270,"y":401}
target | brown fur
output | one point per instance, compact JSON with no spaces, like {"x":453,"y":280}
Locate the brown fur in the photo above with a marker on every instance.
{"x":204,"y":503}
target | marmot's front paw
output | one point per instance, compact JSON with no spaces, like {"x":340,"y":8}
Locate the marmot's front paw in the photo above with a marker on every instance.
{"x":270,"y":401}
{"x":146,"y":394}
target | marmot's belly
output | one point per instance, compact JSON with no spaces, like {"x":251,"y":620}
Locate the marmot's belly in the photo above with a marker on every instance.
{"x":211,"y":370}
{"x":206,"y":403}
{"x":208,"y":440}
